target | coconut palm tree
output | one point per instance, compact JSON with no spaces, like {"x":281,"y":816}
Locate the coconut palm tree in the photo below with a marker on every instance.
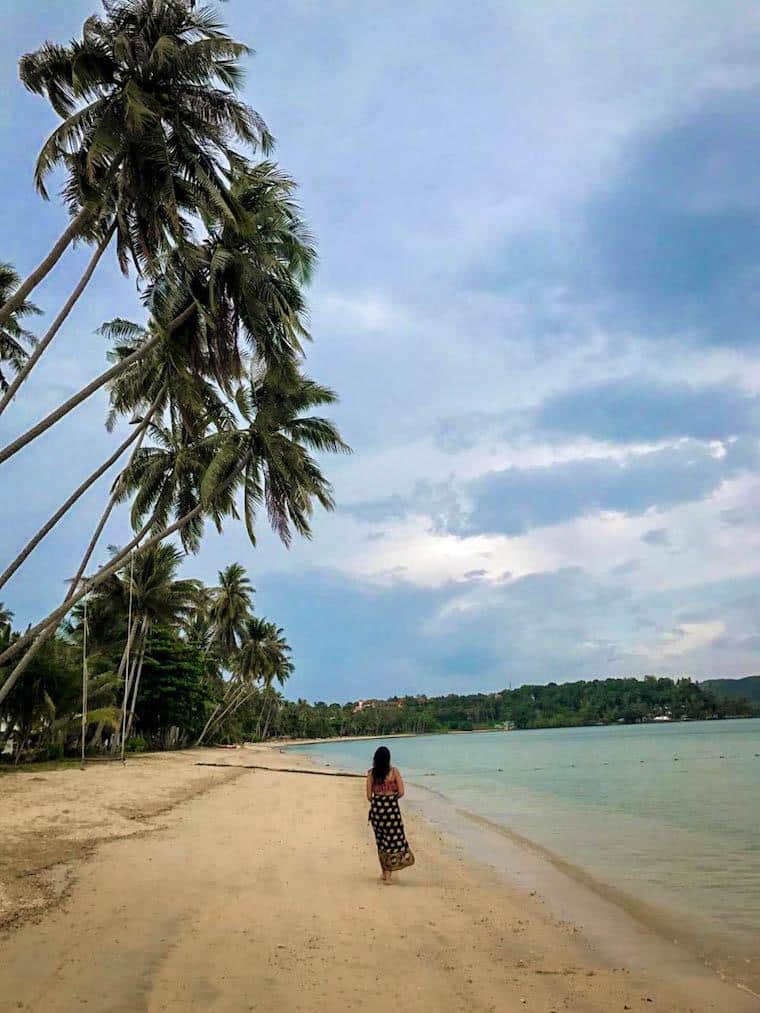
{"x":14,"y":339}
{"x":158,"y":598}
{"x":30,"y":361}
{"x":267,"y":459}
{"x":230,"y":608}
{"x":264,"y":654}
{"x":262,"y":657}
{"x":150,"y":126}
{"x":242,"y":284}
{"x":162,"y":381}
{"x":258,"y":264}
{"x":184,"y":317}
{"x":137,"y":434}
{"x":6,"y":617}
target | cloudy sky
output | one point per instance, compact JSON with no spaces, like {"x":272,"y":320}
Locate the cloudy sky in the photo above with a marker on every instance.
{"x":538,"y":298}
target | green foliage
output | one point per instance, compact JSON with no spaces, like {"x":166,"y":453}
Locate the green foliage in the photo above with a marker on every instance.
{"x":15,"y":340}
{"x":745,"y":690}
{"x":191,"y":677}
{"x":172,"y":692}
{"x":42,"y":716}
{"x":604,"y":701}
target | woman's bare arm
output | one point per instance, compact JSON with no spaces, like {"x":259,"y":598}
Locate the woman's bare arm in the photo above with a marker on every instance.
{"x":399,"y":783}
{"x":369,"y":786}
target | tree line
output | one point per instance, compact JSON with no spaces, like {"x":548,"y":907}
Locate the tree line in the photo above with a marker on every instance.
{"x":169,"y":662}
{"x":598,"y":701}
{"x":164,"y":167}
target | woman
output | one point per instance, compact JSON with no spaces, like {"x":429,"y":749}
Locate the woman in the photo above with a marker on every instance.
{"x":385,"y":786}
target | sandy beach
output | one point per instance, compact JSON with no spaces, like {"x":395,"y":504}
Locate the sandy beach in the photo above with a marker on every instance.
{"x":166,"y":885}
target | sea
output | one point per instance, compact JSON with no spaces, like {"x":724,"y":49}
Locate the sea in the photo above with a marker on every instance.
{"x":663,"y":819}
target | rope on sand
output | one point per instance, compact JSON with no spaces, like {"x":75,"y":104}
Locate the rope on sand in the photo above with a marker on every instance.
{"x":280,"y":770}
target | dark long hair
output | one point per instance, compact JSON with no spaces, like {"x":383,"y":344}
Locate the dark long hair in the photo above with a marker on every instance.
{"x":381,"y":764}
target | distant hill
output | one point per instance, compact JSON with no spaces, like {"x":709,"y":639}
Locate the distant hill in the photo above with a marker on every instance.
{"x":735,"y":689}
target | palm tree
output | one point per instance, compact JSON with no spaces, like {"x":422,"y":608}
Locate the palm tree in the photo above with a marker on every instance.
{"x":262,"y":658}
{"x":137,"y":434}
{"x":6,"y":617}
{"x":164,"y":380}
{"x":40,"y":346}
{"x":264,"y":654}
{"x":230,"y":608}
{"x":266,"y":459}
{"x":244,"y":281}
{"x":157,"y":598}
{"x":257,"y":265}
{"x":269,"y":456}
{"x":166,"y":373}
{"x":14,"y":339}
{"x":150,"y":124}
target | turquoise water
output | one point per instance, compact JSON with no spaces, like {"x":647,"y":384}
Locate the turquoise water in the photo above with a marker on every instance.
{"x":667,"y":813}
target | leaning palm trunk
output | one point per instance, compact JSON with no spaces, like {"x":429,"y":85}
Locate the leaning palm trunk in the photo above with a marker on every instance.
{"x":261,"y":718}
{"x":46,"y":528}
{"x":127,"y":671}
{"x":113,"y":498}
{"x":50,"y":630}
{"x":38,"y":634}
{"x":270,"y":713}
{"x":90,"y":388}
{"x":214,"y":722}
{"x":203,"y":734}
{"x":56,"y":325}
{"x":136,"y":690}
{"x":215,"y":718}
{"x":96,"y":737}
{"x":77,"y":399}
{"x":45,"y":266}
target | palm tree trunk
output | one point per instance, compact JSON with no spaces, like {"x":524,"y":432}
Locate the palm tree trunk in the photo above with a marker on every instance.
{"x":45,"y":266}
{"x":206,"y":727}
{"x":237,"y":696}
{"x":96,"y":736}
{"x":76,"y":399}
{"x":126,"y":670}
{"x":236,"y":704}
{"x":143,"y":648}
{"x":37,"y":635}
{"x":90,"y":388}
{"x":258,"y":723}
{"x":68,"y":306}
{"x":46,"y":528}
{"x":113,"y":498}
{"x":269,"y":718}
{"x":214,"y":722}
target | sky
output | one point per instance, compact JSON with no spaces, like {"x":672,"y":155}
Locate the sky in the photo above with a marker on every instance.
{"x":539,"y":235}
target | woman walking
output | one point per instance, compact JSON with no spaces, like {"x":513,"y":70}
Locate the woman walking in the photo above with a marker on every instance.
{"x":385,"y":786}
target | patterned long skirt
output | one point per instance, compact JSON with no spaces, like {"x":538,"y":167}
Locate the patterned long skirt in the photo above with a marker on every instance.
{"x":392,"y":847}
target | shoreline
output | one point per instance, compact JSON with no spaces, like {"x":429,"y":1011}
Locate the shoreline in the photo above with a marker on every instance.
{"x":165,"y":885}
{"x":619,"y":925}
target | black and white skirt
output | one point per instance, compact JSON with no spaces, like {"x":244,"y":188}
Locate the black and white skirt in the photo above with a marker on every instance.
{"x":392,"y":846}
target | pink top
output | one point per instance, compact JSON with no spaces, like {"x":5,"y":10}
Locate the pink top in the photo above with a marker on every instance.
{"x":387,"y":787}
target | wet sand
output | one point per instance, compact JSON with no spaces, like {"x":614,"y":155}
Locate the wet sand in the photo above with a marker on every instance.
{"x":168,"y":886}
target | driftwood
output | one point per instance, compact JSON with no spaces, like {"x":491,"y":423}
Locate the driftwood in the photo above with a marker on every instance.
{"x":280,"y":770}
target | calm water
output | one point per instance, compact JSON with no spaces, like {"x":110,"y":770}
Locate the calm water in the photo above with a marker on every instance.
{"x":668,"y":813}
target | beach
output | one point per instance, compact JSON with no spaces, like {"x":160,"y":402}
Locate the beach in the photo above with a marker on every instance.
{"x":165,"y":885}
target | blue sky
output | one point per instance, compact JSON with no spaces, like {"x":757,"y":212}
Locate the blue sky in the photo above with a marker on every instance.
{"x":539,"y":229}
